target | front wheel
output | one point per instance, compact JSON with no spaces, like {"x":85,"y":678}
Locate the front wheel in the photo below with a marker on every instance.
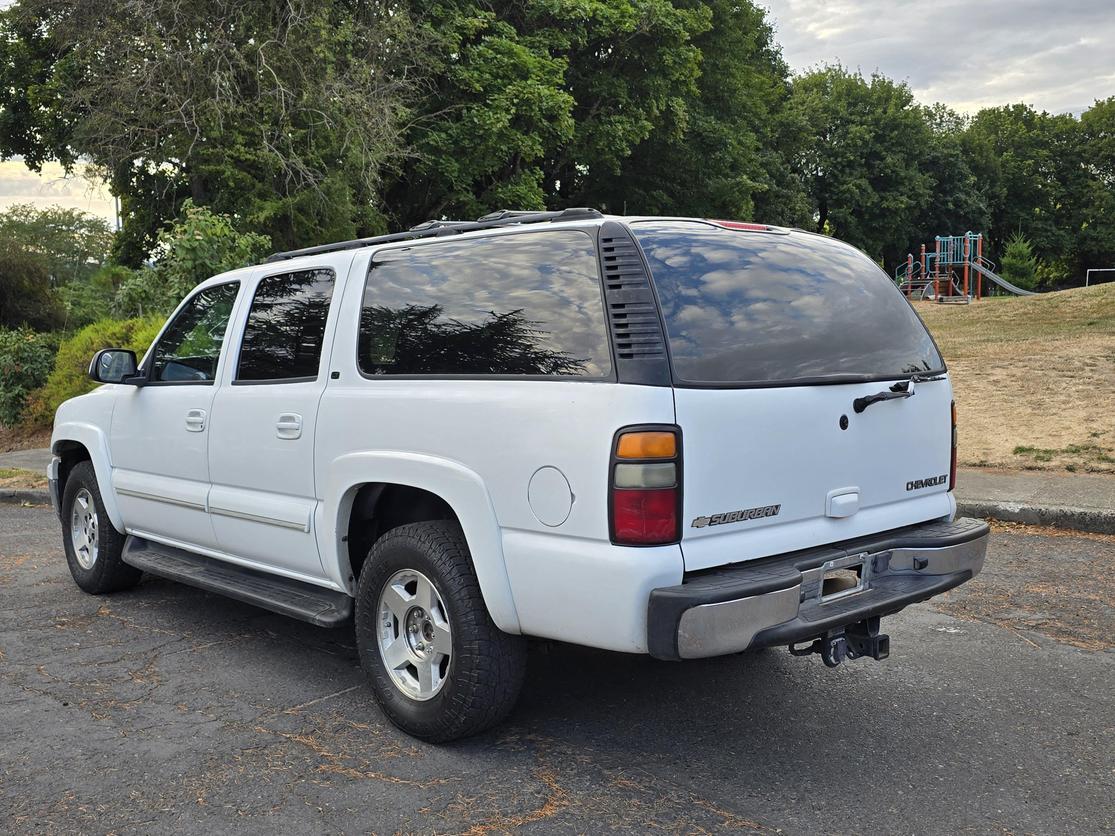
{"x":93,"y":546}
{"x":437,"y":664}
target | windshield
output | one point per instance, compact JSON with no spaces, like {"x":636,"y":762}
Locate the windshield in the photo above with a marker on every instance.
{"x":745,"y":308}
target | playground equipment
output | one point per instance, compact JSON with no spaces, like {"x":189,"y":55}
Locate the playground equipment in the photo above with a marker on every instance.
{"x":953,"y":273}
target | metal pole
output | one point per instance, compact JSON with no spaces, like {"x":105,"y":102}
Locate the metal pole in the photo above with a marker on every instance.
{"x":979,"y":258}
{"x":937,"y":273}
{"x":909,"y":272}
{"x":967,"y":248}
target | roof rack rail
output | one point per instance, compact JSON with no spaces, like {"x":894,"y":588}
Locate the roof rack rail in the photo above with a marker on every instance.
{"x":434,"y":229}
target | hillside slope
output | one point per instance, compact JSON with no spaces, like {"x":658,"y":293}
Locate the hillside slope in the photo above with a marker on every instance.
{"x":1034,"y":378}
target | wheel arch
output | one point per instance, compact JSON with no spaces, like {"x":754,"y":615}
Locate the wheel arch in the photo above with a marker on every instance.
{"x":359,"y":481}
{"x":77,"y":442}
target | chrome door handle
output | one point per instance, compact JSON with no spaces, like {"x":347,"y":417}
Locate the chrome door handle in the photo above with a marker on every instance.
{"x":195,"y":420}
{"x":289,"y":425}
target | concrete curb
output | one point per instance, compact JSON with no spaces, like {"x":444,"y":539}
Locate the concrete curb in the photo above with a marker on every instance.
{"x":1095,"y":520}
{"x":25,"y":497}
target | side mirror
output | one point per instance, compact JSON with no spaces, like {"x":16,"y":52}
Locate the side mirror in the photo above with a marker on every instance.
{"x":114,"y":365}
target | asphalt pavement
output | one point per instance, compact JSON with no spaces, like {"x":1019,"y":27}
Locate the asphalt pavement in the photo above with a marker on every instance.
{"x":168,"y":710}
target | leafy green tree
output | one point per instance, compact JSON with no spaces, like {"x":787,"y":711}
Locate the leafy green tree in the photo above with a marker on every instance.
{"x":957,"y":203}
{"x":860,"y":159}
{"x":1019,"y":266}
{"x":281,"y":114}
{"x":1030,"y":167}
{"x":198,"y":245}
{"x":1095,"y":239}
{"x":26,"y":297}
{"x":726,"y":155}
{"x":72,"y":244}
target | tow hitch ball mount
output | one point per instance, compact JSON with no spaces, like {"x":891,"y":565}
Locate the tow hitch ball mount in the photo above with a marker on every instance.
{"x":850,"y":642}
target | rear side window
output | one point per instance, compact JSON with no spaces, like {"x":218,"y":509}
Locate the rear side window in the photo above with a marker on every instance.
{"x":768,"y":309}
{"x":526,"y":304}
{"x":286,"y":326}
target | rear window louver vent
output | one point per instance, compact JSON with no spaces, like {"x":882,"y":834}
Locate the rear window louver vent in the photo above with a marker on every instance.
{"x":632,"y":310}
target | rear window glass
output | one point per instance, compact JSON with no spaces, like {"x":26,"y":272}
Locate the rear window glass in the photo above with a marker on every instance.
{"x":506,"y":305}
{"x":759,"y":308}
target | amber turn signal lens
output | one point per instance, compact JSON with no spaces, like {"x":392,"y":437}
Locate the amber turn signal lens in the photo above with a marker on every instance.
{"x":648,"y":445}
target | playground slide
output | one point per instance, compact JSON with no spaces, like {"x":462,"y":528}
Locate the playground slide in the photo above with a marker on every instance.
{"x":999,"y":280}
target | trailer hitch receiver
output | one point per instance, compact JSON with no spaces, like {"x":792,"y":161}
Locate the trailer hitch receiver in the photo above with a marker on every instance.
{"x":851,"y":642}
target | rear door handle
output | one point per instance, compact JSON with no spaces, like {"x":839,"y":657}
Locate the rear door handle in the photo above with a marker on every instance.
{"x":289,"y":425}
{"x":195,"y":420}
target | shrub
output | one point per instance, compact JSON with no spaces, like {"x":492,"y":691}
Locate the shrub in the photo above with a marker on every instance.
{"x":200,"y":244}
{"x":26,"y":297}
{"x":25,"y":361}
{"x":69,"y":377}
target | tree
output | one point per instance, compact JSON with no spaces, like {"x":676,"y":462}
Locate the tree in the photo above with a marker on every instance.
{"x":1019,"y":265}
{"x":860,"y":159}
{"x":71,"y":244}
{"x":532,"y":103}
{"x":726,"y":156}
{"x":283,"y":115}
{"x":26,"y":297}
{"x":957,"y":202}
{"x":1030,"y":167}
{"x":1095,"y":240}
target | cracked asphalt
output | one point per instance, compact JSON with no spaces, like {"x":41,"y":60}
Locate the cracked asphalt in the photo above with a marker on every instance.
{"x":168,"y":710}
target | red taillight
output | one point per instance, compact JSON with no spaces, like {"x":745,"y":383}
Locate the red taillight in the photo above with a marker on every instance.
{"x":952,"y":464}
{"x":748,"y":227}
{"x":644,"y":483}
{"x":645,"y":517}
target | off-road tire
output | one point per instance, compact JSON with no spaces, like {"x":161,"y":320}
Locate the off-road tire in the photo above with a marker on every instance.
{"x":108,"y":573}
{"x":486,"y":666}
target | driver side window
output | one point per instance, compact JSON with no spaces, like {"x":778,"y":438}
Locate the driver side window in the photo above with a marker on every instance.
{"x":191,"y":345}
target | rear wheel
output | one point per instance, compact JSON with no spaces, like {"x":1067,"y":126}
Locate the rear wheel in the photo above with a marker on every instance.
{"x":93,"y":547}
{"x":437,"y":664}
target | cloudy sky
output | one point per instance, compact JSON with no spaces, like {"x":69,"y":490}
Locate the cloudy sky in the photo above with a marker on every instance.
{"x":1058,"y":55}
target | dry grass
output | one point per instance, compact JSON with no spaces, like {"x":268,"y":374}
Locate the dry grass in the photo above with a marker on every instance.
{"x":14,"y":478}
{"x":1034,"y":378}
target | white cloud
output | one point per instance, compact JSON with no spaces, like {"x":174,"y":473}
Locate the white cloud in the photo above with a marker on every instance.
{"x":53,"y":187}
{"x":1055,"y":56}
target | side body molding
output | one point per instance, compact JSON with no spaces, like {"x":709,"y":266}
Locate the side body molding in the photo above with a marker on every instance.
{"x":94,"y":440}
{"x":460,"y":487}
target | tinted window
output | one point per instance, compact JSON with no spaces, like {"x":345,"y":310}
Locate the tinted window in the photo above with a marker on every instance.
{"x":286,"y":326}
{"x":745,"y":307}
{"x":191,"y":344}
{"x":509,"y":305}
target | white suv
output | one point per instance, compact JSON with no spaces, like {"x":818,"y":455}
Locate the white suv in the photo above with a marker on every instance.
{"x":677,"y":437}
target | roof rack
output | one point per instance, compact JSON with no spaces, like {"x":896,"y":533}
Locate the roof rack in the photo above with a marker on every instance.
{"x":435,"y":229}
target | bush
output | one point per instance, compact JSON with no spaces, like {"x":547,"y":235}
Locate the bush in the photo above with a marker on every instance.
{"x":1019,"y":265}
{"x":70,"y":375}
{"x":25,"y":361}
{"x":200,"y":244}
{"x":26,"y":297}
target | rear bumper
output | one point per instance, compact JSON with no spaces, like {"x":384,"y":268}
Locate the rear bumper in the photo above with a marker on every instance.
{"x":778,"y":600}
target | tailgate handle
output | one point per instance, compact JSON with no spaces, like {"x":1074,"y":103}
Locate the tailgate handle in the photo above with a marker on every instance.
{"x":843,"y":502}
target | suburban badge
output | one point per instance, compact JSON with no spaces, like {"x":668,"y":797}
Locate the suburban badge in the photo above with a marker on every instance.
{"x":737,"y":516}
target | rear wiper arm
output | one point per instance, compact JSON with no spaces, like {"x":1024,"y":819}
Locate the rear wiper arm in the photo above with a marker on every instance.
{"x":905,"y":389}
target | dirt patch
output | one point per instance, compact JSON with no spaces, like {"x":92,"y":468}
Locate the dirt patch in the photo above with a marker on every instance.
{"x":1069,"y":597}
{"x":1034,"y":378}
{"x":17,"y":438}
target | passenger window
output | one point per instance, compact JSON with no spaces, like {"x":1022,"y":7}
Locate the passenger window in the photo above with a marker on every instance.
{"x":191,"y":345}
{"x":527,"y":304}
{"x":286,"y":327}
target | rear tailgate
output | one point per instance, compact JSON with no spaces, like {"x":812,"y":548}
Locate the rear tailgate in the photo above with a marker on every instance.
{"x":773,"y":337}
{"x":780,"y":457}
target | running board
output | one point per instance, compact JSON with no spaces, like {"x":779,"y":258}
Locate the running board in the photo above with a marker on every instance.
{"x":304,"y":601}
